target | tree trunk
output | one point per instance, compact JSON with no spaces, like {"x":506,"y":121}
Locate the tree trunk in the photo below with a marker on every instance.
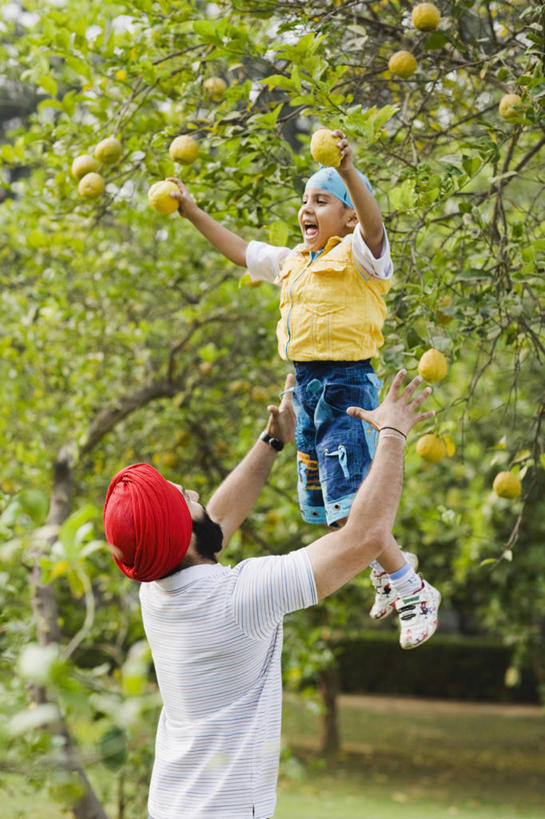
{"x":44,"y":604}
{"x":44,"y":607}
{"x":329,"y":730}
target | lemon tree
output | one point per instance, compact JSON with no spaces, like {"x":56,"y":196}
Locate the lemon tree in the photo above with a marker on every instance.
{"x":121,"y":328}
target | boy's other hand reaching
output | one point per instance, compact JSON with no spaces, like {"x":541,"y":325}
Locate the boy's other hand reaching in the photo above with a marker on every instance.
{"x":186,"y":204}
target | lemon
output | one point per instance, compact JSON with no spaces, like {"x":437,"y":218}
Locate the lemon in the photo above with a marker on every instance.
{"x":91,"y":185}
{"x":169,"y":459}
{"x":260,"y":395}
{"x":507,"y":485}
{"x":433,"y":365}
{"x":402,"y":63}
{"x":425,"y":16}
{"x":108,"y":151}
{"x":324,"y":148}
{"x":85,"y":163}
{"x":239,"y":387}
{"x":441,"y":315}
{"x":214,"y":87}
{"x":450,"y":445}
{"x":509,"y":105}
{"x":184,"y":149}
{"x":431,"y":447}
{"x":159,"y":196}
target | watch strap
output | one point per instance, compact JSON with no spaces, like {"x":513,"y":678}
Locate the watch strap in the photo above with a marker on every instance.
{"x":273,"y":442}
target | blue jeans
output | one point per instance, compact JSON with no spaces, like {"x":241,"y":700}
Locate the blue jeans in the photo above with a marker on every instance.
{"x":334,"y":450}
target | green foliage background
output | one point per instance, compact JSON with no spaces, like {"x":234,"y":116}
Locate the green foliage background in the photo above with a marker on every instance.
{"x":125,"y":338}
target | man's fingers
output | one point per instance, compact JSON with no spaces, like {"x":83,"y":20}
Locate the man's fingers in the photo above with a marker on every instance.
{"x":418,"y":399}
{"x":287,"y":391}
{"x":411,"y":388}
{"x":364,"y":415}
{"x":423,"y":416}
{"x":396,"y":383}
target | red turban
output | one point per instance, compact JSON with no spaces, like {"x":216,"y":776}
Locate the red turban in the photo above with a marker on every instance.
{"x":148,"y":521}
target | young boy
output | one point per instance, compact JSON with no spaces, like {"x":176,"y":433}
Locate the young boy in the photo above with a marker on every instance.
{"x":332,"y":312}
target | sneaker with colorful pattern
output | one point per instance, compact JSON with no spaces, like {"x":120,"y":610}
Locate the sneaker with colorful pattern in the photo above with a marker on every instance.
{"x":385,"y":595}
{"x":418,"y":615}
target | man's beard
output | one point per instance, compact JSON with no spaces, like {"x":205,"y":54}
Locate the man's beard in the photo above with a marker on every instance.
{"x":209,"y":537}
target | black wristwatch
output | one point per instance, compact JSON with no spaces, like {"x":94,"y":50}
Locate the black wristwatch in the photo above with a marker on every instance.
{"x":275,"y":443}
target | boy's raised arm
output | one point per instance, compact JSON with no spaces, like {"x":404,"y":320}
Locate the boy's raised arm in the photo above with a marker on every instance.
{"x":365,"y":205}
{"x":230,"y":244}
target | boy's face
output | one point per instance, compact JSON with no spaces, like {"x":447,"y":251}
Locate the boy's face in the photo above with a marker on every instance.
{"x":322,"y":216}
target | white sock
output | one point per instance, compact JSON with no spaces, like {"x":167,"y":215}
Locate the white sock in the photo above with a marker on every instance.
{"x":405,"y":581}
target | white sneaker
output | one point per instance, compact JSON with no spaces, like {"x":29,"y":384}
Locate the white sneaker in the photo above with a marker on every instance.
{"x":385,"y":595}
{"x":418,"y":615}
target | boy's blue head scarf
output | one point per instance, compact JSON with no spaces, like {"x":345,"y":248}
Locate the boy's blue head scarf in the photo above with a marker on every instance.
{"x":327,"y":179}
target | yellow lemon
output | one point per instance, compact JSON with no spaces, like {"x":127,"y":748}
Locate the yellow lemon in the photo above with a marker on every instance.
{"x":509,"y":106}
{"x":450,"y":445}
{"x":442,"y":316}
{"x":159,"y":196}
{"x":507,"y":485}
{"x":214,"y":87}
{"x":109,"y":151}
{"x":433,"y":365}
{"x":324,"y":148}
{"x":431,"y":447}
{"x":239,"y":387}
{"x":169,"y":459}
{"x":425,"y":16}
{"x":91,"y":185}
{"x":184,"y":149}
{"x":85,"y":163}
{"x":403,"y":64}
{"x":260,"y":395}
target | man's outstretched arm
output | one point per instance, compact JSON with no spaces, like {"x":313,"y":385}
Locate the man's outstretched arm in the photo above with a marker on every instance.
{"x":234,"y":499}
{"x":339,"y":556}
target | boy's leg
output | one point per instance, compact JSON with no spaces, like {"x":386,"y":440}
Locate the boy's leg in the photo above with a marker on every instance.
{"x":414,"y":599}
{"x":345,"y":450}
{"x":309,"y":490}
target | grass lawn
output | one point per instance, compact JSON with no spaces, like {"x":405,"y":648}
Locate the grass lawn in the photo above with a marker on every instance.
{"x":400,"y":759}
{"x":413,"y":760}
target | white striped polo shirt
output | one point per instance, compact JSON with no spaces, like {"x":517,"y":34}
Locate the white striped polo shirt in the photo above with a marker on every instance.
{"x":215,"y":634}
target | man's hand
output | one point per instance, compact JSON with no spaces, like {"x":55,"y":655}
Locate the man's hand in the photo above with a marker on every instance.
{"x":397,"y":411}
{"x":186,"y":204}
{"x":281,"y":423}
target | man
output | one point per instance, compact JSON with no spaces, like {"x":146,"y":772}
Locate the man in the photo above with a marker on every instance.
{"x":216,"y":632}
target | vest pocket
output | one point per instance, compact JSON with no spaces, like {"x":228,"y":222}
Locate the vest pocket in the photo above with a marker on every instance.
{"x":326,"y":287}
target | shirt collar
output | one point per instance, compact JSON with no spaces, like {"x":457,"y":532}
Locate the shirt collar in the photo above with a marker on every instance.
{"x":186,"y":576}
{"x":332,"y":242}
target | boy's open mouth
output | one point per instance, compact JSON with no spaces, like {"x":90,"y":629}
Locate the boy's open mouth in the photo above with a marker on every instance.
{"x":310,"y":230}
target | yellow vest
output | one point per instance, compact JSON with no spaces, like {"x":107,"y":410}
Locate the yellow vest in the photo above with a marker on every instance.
{"x":330,"y":311}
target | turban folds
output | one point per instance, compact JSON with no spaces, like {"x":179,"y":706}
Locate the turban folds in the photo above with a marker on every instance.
{"x":148,"y":522}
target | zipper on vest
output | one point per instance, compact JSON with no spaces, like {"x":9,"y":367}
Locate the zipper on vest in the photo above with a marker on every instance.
{"x":291,"y":305}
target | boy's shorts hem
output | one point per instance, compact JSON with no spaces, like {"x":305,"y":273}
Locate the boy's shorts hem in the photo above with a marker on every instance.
{"x":336,"y":510}
{"x":314,"y":514}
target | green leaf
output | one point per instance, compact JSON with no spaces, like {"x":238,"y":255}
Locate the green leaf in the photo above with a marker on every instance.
{"x":279,"y":81}
{"x":49,"y":84}
{"x":436,"y":41}
{"x":7,"y":153}
{"x":279,"y":233}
